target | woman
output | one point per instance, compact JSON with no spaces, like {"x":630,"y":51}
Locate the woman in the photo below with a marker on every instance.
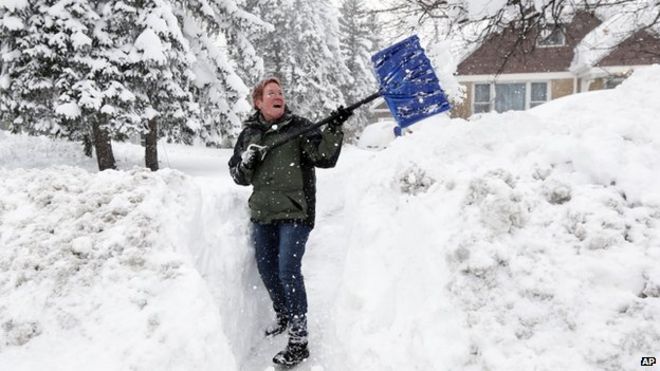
{"x":282,"y":204}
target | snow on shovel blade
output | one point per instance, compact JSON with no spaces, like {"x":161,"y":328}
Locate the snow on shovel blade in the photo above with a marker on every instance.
{"x":408,"y":83}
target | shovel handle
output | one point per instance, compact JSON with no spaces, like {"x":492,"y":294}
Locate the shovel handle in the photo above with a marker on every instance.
{"x":261,"y":150}
{"x":326,"y":120}
{"x":368,"y":99}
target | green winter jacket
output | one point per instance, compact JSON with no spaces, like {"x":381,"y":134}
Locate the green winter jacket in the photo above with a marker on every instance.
{"x":284,"y":182}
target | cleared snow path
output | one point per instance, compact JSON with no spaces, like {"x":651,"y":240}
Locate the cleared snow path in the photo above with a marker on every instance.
{"x":217,"y":237}
{"x":322,"y":267}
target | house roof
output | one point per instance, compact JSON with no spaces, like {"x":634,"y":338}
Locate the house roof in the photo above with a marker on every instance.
{"x":490,"y":57}
{"x":589,"y":41}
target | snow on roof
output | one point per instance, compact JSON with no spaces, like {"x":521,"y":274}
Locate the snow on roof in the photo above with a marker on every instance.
{"x":601,"y":41}
{"x":618,"y":25}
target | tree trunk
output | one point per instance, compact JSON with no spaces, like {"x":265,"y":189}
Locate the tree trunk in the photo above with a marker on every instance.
{"x":88,"y":145}
{"x":103,"y":145}
{"x":150,"y":146}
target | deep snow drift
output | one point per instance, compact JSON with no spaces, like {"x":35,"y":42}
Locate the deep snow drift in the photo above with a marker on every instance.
{"x":523,"y":240}
{"x":516,"y":241}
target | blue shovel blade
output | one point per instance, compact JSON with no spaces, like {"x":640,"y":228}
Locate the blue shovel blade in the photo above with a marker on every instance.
{"x":408,"y":83}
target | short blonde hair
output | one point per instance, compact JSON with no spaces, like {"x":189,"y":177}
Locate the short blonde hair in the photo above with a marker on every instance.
{"x":258,"y":90}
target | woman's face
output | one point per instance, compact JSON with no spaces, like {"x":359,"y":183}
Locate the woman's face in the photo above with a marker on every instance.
{"x":272,"y":102}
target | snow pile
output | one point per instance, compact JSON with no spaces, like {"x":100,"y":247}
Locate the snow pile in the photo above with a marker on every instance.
{"x":96,"y":272}
{"x":377,"y":135}
{"x":524,"y":240}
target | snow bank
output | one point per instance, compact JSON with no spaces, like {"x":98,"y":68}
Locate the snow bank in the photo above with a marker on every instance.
{"x":524,"y":240}
{"x":98,"y":272}
{"x":377,"y":135}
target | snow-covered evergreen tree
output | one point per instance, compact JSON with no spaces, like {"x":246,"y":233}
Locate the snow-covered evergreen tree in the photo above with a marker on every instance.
{"x":317,"y":67}
{"x":304,"y":51}
{"x":13,"y":18}
{"x":357,"y":48}
{"x":274,"y":47}
{"x":159,"y":70}
{"x":220,"y":35}
{"x":46,"y":79}
{"x":92,"y":96}
{"x":217,"y":98}
{"x":27,"y":74}
{"x":209,"y":52}
{"x":375,"y":36}
{"x":242,"y":29}
{"x":84,"y":69}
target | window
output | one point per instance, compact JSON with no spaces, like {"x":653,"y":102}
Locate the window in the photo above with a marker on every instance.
{"x":551,"y":35}
{"x":539,"y":94}
{"x":481,"y":98}
{"x":515,"y":96}
{"x":510,"y":97}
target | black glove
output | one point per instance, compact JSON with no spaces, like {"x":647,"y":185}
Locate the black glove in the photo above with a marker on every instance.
{"x":251,"y":156}
{"x":339,"y":117}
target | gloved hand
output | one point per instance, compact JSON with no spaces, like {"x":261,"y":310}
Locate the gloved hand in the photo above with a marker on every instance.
{"x":251,"y":156}
{"x":341,"y":114}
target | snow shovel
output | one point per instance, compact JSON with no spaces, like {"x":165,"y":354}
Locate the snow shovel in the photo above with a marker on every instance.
{"x":407,"y":82}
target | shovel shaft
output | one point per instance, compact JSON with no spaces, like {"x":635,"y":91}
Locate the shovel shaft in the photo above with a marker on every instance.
{"x":366,"y":100}
{"x":326,"y":120}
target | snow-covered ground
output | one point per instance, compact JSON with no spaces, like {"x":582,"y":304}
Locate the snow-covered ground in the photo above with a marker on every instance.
{"x":518,"y":241}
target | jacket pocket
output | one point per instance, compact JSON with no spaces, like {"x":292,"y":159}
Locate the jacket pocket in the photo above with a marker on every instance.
{"x":295,"y":203}
{"x":298,"y":201}
{"x":268,"y":205}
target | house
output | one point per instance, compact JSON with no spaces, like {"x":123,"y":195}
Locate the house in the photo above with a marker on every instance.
{"x":583,"y":54}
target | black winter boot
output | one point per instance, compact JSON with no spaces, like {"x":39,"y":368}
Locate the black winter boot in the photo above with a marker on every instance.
{"x":293,"y":354}
{"x":280,"y":325}
{"x":296,"y":350}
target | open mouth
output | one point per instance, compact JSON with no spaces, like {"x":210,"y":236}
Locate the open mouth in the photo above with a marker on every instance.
{"x":277,"y":106}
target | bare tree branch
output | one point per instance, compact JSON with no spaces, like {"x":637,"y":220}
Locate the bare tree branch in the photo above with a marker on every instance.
{"x":526,"y":18}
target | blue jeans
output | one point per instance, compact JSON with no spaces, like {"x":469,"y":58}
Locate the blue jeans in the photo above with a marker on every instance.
{"x":279,"y":249}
